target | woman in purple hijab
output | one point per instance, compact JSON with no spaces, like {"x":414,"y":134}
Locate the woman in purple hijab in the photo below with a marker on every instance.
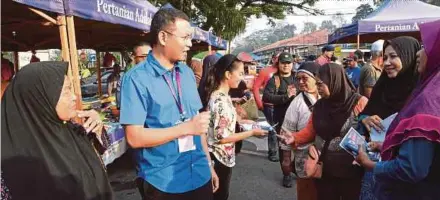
{"x":410,"y":166}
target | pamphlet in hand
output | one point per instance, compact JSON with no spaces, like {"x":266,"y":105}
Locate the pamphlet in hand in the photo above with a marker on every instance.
{"x":262,"y":125}
{"x":351,"y":142}
{"x":380,"y":136}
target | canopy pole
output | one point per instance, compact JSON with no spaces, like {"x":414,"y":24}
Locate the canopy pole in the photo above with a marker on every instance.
{"x":122,"y":61}
{"x":358,"y":40}
{"x":98,"y":66}
{"x":64,"y":43}
{"x":43,"y":15}
{"x":74,"y":61}
{"x":16,"y":64}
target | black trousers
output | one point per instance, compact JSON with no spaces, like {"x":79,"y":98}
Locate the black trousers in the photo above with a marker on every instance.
{"x":330,"y":188}
{"x":224,"y":175}
{"x":149,"y":192}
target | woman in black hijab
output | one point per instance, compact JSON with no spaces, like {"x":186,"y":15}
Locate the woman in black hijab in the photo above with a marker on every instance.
{"x":333,"y":115}
{"x":44,"y":155}
{"x":396,"y":82}
{"x":390,"y":93}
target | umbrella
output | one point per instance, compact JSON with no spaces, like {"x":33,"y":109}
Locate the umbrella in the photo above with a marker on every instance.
{"x":245,"y":57}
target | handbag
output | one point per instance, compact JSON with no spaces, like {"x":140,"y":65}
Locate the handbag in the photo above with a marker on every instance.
{"x":250,"y":107}
{"x":313,"y":165}
{"x":241,"y":112}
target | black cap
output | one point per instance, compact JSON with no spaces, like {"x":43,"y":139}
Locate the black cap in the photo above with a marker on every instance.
{"x":310,"y":67}
{"x":328,"y":48}
{"x":285,"y":57}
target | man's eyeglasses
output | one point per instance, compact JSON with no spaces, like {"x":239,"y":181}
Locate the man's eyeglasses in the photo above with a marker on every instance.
{"x":185,"y":38}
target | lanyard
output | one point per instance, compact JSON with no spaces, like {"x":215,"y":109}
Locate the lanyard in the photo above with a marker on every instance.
{"x":177,"y":97}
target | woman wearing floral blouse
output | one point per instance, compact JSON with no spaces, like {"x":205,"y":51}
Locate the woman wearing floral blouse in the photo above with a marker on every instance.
{"x":226,"y":73}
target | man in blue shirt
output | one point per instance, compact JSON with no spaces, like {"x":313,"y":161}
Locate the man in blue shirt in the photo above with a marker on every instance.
{"x":159,"y":108}
{"x":353,"y":70}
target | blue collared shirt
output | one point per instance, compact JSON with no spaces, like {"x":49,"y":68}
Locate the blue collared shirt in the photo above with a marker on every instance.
{"x":405,"y":177}
{"x":146,"y":100}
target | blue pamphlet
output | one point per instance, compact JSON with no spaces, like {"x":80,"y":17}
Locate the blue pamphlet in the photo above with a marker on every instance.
{"x":380,"y":136}
{"x":351,"y":142}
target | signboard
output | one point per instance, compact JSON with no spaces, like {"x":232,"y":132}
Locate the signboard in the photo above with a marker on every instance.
{"x":338,"y":51}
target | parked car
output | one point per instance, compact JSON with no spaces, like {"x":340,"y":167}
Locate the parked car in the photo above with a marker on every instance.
{"x":89,"y":86}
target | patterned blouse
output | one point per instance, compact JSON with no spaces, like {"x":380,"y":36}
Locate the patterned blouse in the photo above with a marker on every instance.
{"x":223,"y":119}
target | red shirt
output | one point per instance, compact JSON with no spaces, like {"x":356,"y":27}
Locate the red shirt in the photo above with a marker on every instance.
{"x":322,"y":60}
{"x":260,"y":82}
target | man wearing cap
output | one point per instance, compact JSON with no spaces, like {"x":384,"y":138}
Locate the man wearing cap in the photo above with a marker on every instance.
{"x":267,"y":108}
{"x":371,"y":71}
{"x":280,"y":91}
{"x":327,"y":53}
{"x":353,"y":70}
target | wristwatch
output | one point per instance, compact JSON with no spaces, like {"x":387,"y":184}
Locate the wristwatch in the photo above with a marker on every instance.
{"x":211,"y":164}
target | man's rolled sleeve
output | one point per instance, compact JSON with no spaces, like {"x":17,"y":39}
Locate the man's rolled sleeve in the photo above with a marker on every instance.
{"x":133,"y":102}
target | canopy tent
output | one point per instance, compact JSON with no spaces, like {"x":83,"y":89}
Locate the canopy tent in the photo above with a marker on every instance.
{"x":23,"y":32}
{"x":104,"y":25}
{"x":136,"y":14}
{"x":391,"y":19}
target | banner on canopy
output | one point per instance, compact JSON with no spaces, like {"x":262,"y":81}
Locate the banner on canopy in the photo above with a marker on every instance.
{"x":199,"y":34}
{"x":392,"y":26}
{"x":47,"y":5}
{"x":217,"y":41}
{"x":134,"y":13}
{"x":342,"y":32}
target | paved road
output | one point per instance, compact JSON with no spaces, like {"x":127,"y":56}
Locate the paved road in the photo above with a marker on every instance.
{"x":253,"y":178}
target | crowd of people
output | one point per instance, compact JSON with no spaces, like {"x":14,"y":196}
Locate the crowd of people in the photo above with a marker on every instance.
{"x":186,"y":133}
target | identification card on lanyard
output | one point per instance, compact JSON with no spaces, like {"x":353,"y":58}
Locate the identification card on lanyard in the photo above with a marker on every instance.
{"x":186,"y":143}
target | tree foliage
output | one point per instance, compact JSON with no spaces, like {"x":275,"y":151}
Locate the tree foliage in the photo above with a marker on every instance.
{"x":309,"y":27}
{"x":328,"y":24}
{"x":228,"y":18}
{"x":264,"y":37}
{"x":362,"y":12}
{"x":339,"y":20}
{"x":433,"y":2}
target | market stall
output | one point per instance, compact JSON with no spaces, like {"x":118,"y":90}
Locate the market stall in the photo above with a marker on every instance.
{"x":49,"y":27}
{"x":103,"y":25}
{"x":391,"y":19}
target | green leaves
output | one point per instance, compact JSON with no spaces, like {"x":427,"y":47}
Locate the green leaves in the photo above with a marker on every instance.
{"x":228,"y":18}
{"x":362,"y":12}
